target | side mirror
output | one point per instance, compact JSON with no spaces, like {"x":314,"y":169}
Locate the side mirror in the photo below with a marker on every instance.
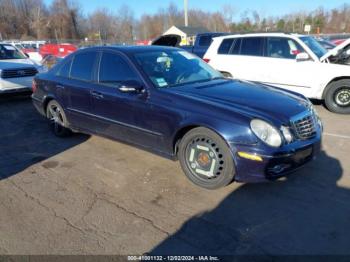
{"x":132,"y":87}
{"x":302,"y":57}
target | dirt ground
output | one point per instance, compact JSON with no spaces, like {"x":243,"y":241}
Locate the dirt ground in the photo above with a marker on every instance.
{"x":90,"y":195}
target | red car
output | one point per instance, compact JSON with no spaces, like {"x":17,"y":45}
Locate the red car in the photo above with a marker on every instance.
{"x":58,"y":50}
{"x":338,"y":41}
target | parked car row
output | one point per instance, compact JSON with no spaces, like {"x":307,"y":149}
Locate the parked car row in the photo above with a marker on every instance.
{"x":201,"y":44}
{"x":29,"y":48}
{"x":18,"y":66}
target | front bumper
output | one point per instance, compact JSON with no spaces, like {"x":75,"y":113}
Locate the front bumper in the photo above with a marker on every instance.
{"x":15,"y":85}
{"x":274,"y":163}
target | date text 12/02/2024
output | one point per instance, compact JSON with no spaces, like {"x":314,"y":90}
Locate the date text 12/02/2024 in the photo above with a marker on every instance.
{"x":173,"y":258}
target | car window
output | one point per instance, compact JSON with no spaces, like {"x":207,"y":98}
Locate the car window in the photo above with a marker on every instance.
{"x":10,"y":52}
{"x":252,"y":46}
{"x":237,"y":47}
{"x":205,"y":40}
{"x":169,"y":68}
{"x":315,"y":47}
{"x":65,"y":69}
{"x":225,"y":46}
{"x":115,"y":70}
{"x":279,"y":47}
{"x":83,"y":66}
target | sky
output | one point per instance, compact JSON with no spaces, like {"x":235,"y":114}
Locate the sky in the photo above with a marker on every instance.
{"x":264,"y":7}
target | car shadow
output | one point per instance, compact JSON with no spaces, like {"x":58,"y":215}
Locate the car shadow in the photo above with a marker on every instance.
{"x":306,"y":213}
{"x":25,"y":138}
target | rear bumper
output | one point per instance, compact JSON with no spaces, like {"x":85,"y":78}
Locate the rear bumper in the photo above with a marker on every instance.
{"x":39,"y":105}
{"x":273,"y":165}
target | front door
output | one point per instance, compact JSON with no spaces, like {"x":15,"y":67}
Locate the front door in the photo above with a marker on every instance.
{"x":121,"y":114}
{"x":283,"y":70}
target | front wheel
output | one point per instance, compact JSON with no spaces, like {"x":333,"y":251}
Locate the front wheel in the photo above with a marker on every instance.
{"x":58,"y":121}
{"x":337,"y":98}
{"x":206,"y":159}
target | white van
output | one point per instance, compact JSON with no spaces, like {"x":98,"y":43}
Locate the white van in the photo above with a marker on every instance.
{"x":290,"y":61}
{"x":16,"y":70}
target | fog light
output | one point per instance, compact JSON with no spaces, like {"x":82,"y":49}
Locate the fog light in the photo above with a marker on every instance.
{"x":279,"y":168}
{"x":250,"y":156}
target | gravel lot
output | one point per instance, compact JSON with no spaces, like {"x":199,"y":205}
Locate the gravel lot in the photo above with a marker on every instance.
{"x":90,"y":195}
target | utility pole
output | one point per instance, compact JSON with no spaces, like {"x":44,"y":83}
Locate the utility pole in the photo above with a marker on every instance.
{"x":186,"y":13}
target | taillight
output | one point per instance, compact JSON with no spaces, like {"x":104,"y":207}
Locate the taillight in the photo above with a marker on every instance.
{"x":33,"y":86}
{"x":206,"y":60}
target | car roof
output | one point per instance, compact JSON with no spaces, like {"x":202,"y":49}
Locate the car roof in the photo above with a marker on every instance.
{"x":130,"y":49}
{"x":258,"y":34}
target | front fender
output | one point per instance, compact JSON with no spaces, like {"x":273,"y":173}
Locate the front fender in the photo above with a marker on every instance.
{"x":237,"y":132}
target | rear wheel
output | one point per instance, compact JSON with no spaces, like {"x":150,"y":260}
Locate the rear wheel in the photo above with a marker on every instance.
{"x":206,"y":159}
{"x":58,"y":121}
{"x":337,"y":98}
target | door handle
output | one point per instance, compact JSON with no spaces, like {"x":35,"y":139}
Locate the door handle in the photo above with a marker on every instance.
{"x":60,"y":86}
{"x":96,"y":94}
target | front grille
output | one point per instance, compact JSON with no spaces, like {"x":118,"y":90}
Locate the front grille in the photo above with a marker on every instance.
{"x":19,"y":72}
{"x":305,"y":127}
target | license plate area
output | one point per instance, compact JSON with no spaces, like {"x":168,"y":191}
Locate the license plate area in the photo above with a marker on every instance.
{"x":303,"y":155}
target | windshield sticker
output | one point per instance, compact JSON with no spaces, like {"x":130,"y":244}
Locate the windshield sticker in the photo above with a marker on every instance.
{"x":9,"y":47}
{"x":187,"y":55}
{"x":161,"y":82}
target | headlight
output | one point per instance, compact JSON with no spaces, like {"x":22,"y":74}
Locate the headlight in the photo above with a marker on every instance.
{"x":266,"y":132}
{"x":316,"y":116}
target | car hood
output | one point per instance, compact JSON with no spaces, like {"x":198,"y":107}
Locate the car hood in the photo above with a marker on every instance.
{"x":251,"y":99}
{"x":336,"y":50}
{"x":16,"y":63}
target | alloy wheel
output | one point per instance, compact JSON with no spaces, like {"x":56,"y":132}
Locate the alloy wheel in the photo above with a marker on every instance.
{"x":56,"y":118}
{"x":342,"y":97}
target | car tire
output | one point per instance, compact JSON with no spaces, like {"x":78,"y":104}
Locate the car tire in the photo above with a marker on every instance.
{"x":337,"y":96}
{"x":206,"y":159}
{"x":57,"y":119}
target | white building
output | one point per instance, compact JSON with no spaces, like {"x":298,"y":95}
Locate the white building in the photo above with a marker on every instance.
{"x":187,"y":33}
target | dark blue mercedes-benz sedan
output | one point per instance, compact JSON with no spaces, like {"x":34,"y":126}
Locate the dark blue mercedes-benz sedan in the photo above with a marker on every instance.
{"x":171,"y":102}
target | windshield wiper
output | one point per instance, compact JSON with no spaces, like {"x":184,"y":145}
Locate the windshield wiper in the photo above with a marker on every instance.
{"x":191,"y":82}
{"x":217,"y":77}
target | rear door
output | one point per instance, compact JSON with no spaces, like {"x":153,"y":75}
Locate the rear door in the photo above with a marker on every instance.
{"x":221,"y":59}
{"x":248,"y":56}
{"x":242,"y":57}
{"x":78,"y":88}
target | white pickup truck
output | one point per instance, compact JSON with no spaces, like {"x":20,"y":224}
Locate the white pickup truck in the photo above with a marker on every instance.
{"x":16,"y":70}
{"x":290,"y":61}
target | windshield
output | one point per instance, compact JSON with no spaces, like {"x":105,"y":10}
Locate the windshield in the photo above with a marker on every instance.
{"x":173,"y":68}
{"x":10,"y":52}
{"x":315,"y":46}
